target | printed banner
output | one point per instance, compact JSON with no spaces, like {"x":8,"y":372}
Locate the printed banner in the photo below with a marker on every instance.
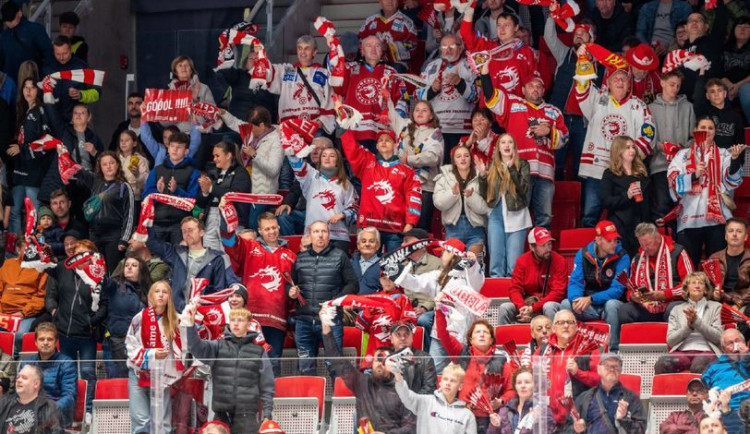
{"x":163,"y":105}
{"x":472,"y":300}
{"x":10,"y":322}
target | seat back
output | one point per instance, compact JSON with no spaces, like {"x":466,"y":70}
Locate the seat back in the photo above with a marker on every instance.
{"x":353,"y":339}
{"x":667,"y":395}
{"x":519,"y":333}
{"x":496,"y":287}
{"x":631,"y":382}
{"x":641,"y":345}
{"x":293,"y":242}
{"x":7,"y":342}
{"x":343,"y":409}
{"x":418,"y":339}
{"x":28,"y":343}
{"x":113,"y":388}
{"x":302,"y":387}
{"x":492,"y":314}
{"x":340,"y":389}
{"x":80,"y":410}
{"x":299,"y":403}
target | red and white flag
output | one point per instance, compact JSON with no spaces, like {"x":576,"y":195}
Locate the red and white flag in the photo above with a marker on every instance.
{"x":45,"y":143}
{"x":165,"y":105}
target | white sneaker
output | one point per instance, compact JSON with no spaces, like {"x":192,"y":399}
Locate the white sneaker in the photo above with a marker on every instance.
{"x":87,"y":420}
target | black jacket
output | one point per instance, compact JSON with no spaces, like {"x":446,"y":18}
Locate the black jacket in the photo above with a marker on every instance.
{"x":625,"y":213}
{"x":46,"y":411}
{"x":322,"y":277}
{"x":124,"y":301}
{"x":71,"y":298}
{"x":421,"y":376}
{"x":244,"y":98}
{"x":235,"y":180}
{"x":611,"y":32}
{"x":30,"y":167}
{"x":117,"y":213}
{"x":710,"y":45}
{"x":633,"y":423}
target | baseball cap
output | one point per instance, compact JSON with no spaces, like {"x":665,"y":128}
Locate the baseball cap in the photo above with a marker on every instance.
{"x":417,"y":233}
{"x":539,"y":235}
{"x":698,"y":382}
{"x":402,"y":324}
{"x":389,"y":133}
{"x":609,"y":356}
{"x":607,"y":230}
{"x":535,"y":75}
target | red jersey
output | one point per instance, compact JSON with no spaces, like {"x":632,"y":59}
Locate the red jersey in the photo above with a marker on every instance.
{"x":377,"y":322}
{"x":398,"y":34}
{"x":648,"y":87}
{"x":262,"y":271}
{"x":391,"y":191}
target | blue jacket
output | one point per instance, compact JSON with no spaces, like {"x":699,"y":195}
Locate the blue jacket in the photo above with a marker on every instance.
{"x":576,"y":284}
{"x":724,"y":373}
{"x":644,"y":29}
{"x":60,"y":380}
{"x":193,"y":186}
{"x":26,"y":41}
{"x":369,"y":283}
{"x":159,"y":151}
{"x":176,"y":257}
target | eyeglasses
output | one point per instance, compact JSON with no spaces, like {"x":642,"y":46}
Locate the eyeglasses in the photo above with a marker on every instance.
{"x":612,"y":368}
{"x":564,"y":322}
{"x":449,"y":47}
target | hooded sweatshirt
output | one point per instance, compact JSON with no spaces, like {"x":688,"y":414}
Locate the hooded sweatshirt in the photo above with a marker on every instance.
{"x":674,"y":123}
{"x":435,"y":414}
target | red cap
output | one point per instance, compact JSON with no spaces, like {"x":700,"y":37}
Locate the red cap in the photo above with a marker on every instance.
{"x":270,"y":427}
{"x":388,"y":133}
{"x":534,"y":75}
{"x":539,"y":235}
{"x":453,"y":245}
{"x":643,"y":57}
{"x":607,"y":230}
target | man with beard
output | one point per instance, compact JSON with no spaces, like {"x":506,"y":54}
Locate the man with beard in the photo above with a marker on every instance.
{"x":377,"y":399}
{"x":451,"y":90}
{"x":540,"y":280}
{"x":610,"y":15}
{"x":132,"y":123}
{"x":420,"y":376}
{"x":686,"y":421}
{"x":538,"y":129}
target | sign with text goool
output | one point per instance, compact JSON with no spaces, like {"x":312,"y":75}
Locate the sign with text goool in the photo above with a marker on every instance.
{"x":163,"y":105}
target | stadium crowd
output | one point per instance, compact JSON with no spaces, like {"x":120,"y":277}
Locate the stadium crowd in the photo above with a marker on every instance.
{"x":377,"y":190}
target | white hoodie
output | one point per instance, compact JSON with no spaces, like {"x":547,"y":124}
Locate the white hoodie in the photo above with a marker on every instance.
{"x":435,"y":415}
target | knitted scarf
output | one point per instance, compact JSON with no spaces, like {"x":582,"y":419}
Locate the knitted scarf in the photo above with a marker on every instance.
{"x":153,"y":338}
{"x":662,"y":274}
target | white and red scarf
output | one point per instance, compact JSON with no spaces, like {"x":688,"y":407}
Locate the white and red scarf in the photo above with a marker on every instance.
{"x":147,"y":211}
{"x":67,"y":167}
{"x":93,"y":77}
{"x":153,"y":338}
{"x":662,"y":274}
{"x":229,"y":212}
{"x":35,"y":255}
{"x":711,"y":178}
{"x":91,"y":268}
{"x":45,"y":143}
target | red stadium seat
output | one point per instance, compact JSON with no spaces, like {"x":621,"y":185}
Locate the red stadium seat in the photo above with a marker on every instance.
{"x":571,"y":241}
{"x":340,"y":389}
{"x":668,"y":395}
{"x":28,"y":344}
{"x":496,"y":287}
{"x":643,"y":333}
{"x":7,"y":342}
{"x":519,"y":333}
{"x":566,"y":206}
{"x":114,"y":388}
{"x":302,"y":387}
{"x":742,"y":199}
{"x":641,"y":345}
{"x":353,"y":338}
{"x":418,"y":341}
{"x":80,"y":409}
{"x":631,"y":382}
{"x":293,"y":242}
{"x":672,"y":384}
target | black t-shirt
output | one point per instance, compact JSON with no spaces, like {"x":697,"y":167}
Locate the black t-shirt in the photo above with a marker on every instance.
{"x":733,"y":267}
{"x":21,"y":419}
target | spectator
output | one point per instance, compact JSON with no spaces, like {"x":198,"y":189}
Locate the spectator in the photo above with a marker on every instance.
{"x":22,"y":40}
{"x":729,"y":369}
{"x":657,"y":21}
{"x":539,"y":281}
{"x":644,"y":63}
{"x":538,"y":129}
{"x":134,"y":164}
{"x":321,"y":273}
{"x":60,"y":373}
{"x":190,"y":260}
{"x":153,"y":341}
{"x":520,"y":414}
{"x":76,"y":315}
{"x":291,"y":212}
{"x":157,"y":269}
{"x":736,"y":59}
{"x":454,"y":272}
{"x":376,"y":395}
{"x":421,"y":147}
{"x":366,"y":261}
{"x":680,"y":36}
{"x":506,"y":189}
{"x":447,"y":21}
{"x":729,"y":123}
{"x":482,"y":139}
{"x":397,"y":33}
{"x":565,"y":365}
{"x":686,"y":421}
{"x":735,"y":265}
{"x":674,"y":120}
{"x":22,"y":292}
{"x":541,"y":328}
{"x":328,"y":192}
{"x":242,"y":98}
{"x":459,"y":199}
{"x":713,"y":425}
{"x":69,"y":93}
{"x":593,"y":291}
{"x":422,"y":262}
{"x":303,"y":88}
{"x":518,"y":66}
{"x":240,"y":369}
{"x":28,"y":166}
{"x":420,"y":376}
{"x":486,"y":23}
{"x":614,"y":22}
{"x":264,"y":277}
{"x":113,"y":223}
{"x":160,"y":151}
{"x":226,"y":174}
{"x":451,"y":90}
{"x":700,"y":176}
{"x":624,"y":191}
{"x":695,"y":327}
{"x":59,"y":203}
{"x":185,"y":77}
{"x":360,"y":88}
{"x":28,"y":407}
{"x":488,"y":375}
{"x":68,"y":25}
{"x":443,"y":412}
{"x":623,"y":114}
{"x":132,"y":123}
{"x":708,"y":41}
{"x":178,"y":177}
{"x":391,"y":191}
{"x":614,"y":408}
{"x":127,"y":294}
{"x":736,"y":9}
{"x":562,"y":94}
{"x":263,"y":155}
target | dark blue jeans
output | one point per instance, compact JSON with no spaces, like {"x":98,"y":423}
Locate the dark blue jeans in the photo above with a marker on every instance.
{"x":572,"y":150}
{"x":84,"y":350}
{"x":275,"y":339}
{"x":292,"y":223}
{"x":391,"y":240}
{"x":308,"y":335}
{"x":115,"y":356}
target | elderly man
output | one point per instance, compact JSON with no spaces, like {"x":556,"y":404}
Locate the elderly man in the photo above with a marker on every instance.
{"x":735,"y":264}
{"x":541,"y":328}
{"x":611,"y":111}
{"x":303,"y":87}
{"x":657,"y":271}
{"x":396,"y":31}
{"x":610,"y":407}
{"x":422,"y":262}
{"x":365,"y":261}
{"x":686,"y":421}
{"x":730,"y":369}
{"x":540,"y":280}
{"x":451,"y":90}
{"x":28,"y":410}
{"x":593,"y":291}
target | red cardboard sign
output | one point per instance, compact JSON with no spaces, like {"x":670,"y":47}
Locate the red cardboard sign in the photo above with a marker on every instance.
{"x":163,"y":105}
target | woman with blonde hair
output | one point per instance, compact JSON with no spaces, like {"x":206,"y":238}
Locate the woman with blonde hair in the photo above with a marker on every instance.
{"x":505,"y":185}
{"x":154,"y":358}
{"x":694,"y":331}
{"x":624,"y":191}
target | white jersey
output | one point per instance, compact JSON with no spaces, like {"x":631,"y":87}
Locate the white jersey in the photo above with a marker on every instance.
{"x":295,"y":99}
{"x":452,"y":107}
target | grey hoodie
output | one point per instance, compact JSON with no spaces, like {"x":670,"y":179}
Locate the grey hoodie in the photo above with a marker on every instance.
{"x":435,"y":415}
{"x":674,"y":122}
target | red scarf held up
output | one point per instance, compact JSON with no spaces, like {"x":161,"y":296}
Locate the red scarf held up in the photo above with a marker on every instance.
{"x":152,"y":339}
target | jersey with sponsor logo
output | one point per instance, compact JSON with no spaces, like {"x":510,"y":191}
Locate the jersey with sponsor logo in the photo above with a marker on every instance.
{"x":295,"y":98}
{"x":452,"y":105}
{"x":398,"y":34}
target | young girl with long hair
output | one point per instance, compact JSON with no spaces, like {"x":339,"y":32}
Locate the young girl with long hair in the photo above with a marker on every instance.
{"x":134,"y":163}
{"x":505,"y":184}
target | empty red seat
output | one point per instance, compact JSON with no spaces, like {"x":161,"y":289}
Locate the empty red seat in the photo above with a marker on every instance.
{"x":643,"y":333}
{"x":496,"y":287}
{"x":80,"y":409}
{"x":302,"y":387}
{"x":7,"y":342}
{"x":418,"y":340}
{"x":518,"y":333}
{"x":672,"y":384}
{"x":353,"y":338}
{"x":340,"y":389}
{"x":566,"y":206}
{"x":631,"y":382}
{"x":293,"y":242}
{"x":113,"y":388}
